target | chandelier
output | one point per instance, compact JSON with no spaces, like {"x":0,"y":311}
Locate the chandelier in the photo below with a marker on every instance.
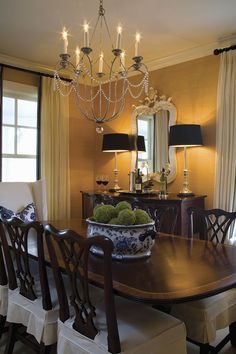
{"x":100,"y":83}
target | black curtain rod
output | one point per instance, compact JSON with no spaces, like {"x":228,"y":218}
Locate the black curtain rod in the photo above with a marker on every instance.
{"x":221,"y":50}
{"x":31,"y":71}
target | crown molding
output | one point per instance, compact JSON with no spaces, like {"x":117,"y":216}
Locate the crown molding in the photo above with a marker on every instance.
{"x":159,"y":63}
{"x":25,"y":64}
{"x":190,"y":54}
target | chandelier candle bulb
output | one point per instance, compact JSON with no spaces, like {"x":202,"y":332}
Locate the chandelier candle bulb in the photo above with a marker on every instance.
{"x":137,"y":44}
{"x":118,"y":41}
{"x":100,"y":68}
{"x":65,"y":41}
{"x":122,"y":59}
{"x":77,"y":56}
{"x":86,"y":35}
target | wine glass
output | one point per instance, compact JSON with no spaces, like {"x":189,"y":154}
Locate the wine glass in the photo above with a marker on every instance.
{"x":99,"y":181}
{"x":105,"y":181}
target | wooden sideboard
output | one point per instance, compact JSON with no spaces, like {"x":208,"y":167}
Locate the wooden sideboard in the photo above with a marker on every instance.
{"x":91,"y":198}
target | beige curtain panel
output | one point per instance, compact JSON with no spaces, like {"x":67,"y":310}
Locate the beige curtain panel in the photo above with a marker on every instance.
{"x":225,"y":186}
{"x":55,"y":150}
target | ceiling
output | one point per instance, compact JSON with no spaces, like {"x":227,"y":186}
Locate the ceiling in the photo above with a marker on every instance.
{"x":30,"y":29}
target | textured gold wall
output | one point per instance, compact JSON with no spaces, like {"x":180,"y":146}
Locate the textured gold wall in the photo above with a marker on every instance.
{"x":193,"y":88}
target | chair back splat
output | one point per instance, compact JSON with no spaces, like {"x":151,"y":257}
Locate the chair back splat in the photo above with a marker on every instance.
{"x":74,"y":252}
{"x":214,"y":223}
{"x":19,"y":234}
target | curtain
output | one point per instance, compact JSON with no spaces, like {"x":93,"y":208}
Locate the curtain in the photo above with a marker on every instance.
{"x":225,"y":185}
{"x":55,"y":150}
{"x":161,"y":139}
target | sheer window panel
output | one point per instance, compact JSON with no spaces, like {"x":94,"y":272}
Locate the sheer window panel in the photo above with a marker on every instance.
{"x":26,"y":141}
{"x":8,"y":140}
{"x":18,"y":169}
{"x":8,"y":112}
{"x":27,"y":113}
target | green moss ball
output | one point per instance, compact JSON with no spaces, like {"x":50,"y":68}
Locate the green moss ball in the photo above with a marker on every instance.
{"x":122,"y":206}
{"x":141,"y":217}
{"x":97,"y":207}
{"x":113,"y":221}
{"x":126,"y":217}
{"x":104,"y":213}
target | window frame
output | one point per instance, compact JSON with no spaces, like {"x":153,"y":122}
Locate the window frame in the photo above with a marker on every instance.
{"x":18,"y":91}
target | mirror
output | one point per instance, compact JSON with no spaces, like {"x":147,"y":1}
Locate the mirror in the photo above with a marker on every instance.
{"x":153,"y":119}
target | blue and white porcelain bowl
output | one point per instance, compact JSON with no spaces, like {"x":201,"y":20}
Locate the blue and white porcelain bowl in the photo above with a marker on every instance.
{"x":130,"y":242}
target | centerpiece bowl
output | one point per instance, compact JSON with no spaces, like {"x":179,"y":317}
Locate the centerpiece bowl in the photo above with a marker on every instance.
{"x":130,"y":241}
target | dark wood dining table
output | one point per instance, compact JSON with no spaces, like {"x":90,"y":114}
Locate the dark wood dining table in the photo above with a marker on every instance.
{"x":179,"y":269}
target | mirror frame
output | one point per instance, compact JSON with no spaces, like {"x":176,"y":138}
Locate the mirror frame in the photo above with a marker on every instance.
{"x":152,"y":105}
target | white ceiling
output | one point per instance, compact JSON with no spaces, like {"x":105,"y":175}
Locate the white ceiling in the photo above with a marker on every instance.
{"x":30,"y":29}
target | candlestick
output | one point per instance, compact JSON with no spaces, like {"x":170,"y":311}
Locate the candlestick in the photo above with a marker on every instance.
{"x":137,"y":44}
{"x":118,"y":40}
{"x":100,"y":68}
{"x":77,"y":56}
{"x":65,"y":40}
{"x":86,"y":35}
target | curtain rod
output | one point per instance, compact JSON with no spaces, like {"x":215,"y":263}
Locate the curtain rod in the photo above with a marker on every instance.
{"x":31,"y":71}
{"x":221,"y":50}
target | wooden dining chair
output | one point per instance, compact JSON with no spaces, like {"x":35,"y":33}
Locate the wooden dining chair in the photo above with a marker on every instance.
{"x":165,"y":216}
{"x":92,"y":320}
{"x":215,"y":223}
{"x":3,"y":289}
{"x":29,"y":298}
{"x":204,"y":317}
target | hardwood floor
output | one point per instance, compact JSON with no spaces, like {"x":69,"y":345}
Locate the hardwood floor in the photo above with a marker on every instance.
{"x":191,"y":349}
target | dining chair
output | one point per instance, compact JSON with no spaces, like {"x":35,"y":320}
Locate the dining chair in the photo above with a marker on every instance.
{"x":204,"y":317}
{"x":31,"y":305}
{"x":3,"y":290}
{"x":93,"y":320}
{"x":165,"y":216}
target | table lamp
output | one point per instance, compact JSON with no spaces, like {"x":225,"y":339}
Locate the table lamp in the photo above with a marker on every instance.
{"x":115,"y":142}
{"x":185,"y":135}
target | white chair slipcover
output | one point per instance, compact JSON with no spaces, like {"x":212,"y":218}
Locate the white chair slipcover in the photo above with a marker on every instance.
{"x":3,"y":299}
{"x":17,"y":195}
{"x":40,"y":323}
{"x":204,"y":317}
{"x":142,"y":330}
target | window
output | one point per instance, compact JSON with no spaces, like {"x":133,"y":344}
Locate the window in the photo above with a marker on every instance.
{"x":19,"y":132}
{"x":146,"y":128}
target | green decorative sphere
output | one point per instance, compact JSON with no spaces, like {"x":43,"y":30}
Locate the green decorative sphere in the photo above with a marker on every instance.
{"x":126,"y":217}
{"x":104,"y":213}
{"x":113,"y":221}
{"x":141,"y":217}
{"x":122,"y":206}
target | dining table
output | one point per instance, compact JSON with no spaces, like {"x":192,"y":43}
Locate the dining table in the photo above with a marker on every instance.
{"x":179,"y":269}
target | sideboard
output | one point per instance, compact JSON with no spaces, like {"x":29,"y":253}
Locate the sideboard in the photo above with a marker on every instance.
{"x":91,"y":198}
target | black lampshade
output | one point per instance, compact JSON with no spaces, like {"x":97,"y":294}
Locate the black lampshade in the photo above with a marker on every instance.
{"x":185,"y":135}
{"x":141,"y":143}
{"x":116,"y":142}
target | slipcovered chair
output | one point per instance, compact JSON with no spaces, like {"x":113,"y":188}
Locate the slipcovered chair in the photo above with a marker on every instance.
{"x":18,"y":195}
{"x":103,"y":323}
{"x":32,"y":301}
{"x":204,"y":317}
{"x":3,"y":292}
